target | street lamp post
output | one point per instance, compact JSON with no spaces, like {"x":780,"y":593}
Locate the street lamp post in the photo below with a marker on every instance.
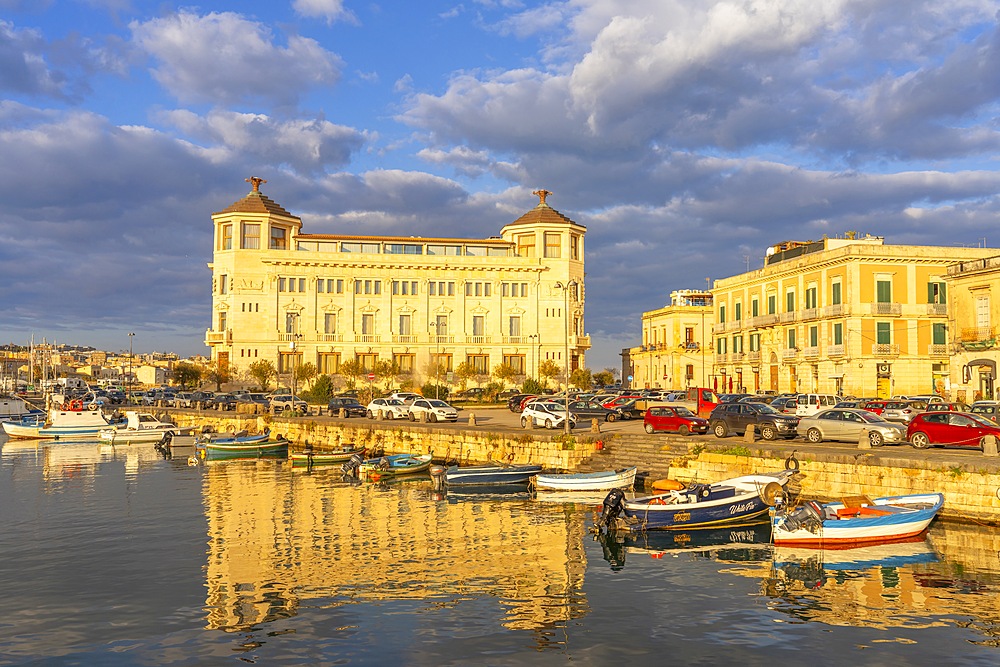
{"x":566,"y":288}
{"x":128,"y":378}
{"x":437,"y":359}
{"x":294,"y":369}
{"x":534,"y":363}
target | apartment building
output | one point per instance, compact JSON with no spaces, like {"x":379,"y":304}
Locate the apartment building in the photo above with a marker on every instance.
{"x":974,"y":310}
{"x":426,"y":304}
{"x":676,"y":349}
{"x":851,"y":316}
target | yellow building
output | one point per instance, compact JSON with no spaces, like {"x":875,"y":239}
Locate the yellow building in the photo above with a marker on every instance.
{"x":676,"y":344}
{"x":289,"y":297}
{"x":850,"y":316}
{"x":974,"y":294}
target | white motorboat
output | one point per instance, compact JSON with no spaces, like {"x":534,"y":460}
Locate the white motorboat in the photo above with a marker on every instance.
{"x":587,"y":481}
{"x":138,"y":427}
{"x":67,"y":422}
{"x":14,"y":407}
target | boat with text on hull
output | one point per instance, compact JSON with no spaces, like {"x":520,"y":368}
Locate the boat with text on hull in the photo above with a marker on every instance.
{"x":697,"y":506}
{"x":69,"y":421}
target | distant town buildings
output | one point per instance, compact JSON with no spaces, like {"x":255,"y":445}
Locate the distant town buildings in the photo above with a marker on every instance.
{"x":974,"y":308}
{"x":424,"y":304}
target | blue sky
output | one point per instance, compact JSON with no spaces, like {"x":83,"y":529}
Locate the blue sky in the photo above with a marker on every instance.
{"x":687,"y":136}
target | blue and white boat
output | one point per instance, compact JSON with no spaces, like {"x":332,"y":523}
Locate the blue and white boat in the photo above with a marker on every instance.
{"x":697,"y":506}
{"x":862,"y":521}
{"x":60,"y":424}
{"x":604,"y":480}
{"x":237,"y":438}
{"x":490,"y":475}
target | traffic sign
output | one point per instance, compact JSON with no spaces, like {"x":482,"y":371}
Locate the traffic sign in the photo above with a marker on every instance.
{"x":629,"y":378}
{"x":371,"y":377}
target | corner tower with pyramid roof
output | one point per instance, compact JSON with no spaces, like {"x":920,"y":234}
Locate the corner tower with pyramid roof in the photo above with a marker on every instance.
{"x":409,"y":309}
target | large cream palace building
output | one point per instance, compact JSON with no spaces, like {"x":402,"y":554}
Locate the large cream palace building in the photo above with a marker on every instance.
{"x":288,"y":297}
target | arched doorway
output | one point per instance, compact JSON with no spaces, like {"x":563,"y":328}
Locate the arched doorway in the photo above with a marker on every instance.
{"x":773,"y":362}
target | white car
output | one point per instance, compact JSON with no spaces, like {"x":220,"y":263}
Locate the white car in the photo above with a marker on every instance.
{"x":547,"y":414}
{"x":405,"y":396}
{"x":437,"y":411}
{"x":280,"y":402}
{"x":387,"y":408}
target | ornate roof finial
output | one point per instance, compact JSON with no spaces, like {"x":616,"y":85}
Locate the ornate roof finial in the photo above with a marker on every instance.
{"x":542,"y":194}
{"x":255,"y":181}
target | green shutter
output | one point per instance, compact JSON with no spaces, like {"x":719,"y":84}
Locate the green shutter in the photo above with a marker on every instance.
{"x":836,"y":294}
{"x":940,"y":334}
{"x":883,"y":291}
{"x":838,"y":334}
{"x":883,"y":333}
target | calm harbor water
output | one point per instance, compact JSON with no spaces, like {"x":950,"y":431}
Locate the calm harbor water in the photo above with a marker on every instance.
{"x":115,"y":556}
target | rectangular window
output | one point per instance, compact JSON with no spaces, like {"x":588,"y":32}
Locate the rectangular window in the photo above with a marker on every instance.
{"x":738,"y":312}
{"x":937,"y":292}
{"x":940,"y":334}
{"x":404,"y":325}
{"x":480,"y":363}
{"x":367,"y":286}
{"x":838,"y":334}
{"x":790,"y":337}
{"x":478,"y":325}
{"x":813,"y":336}
{"x":403,"y":249}
{"x":367,"y":362}
{"x":737,"y":344}
{"x":754,"y":342}
{"x":441,"y":325}
{"x":772,"y":304}
{"x":883,"y":333}
{"x":836,"y":295}
{"x":251,"y":237}
{"x":811,"y":297}
{"x":330,"y":285}
{"x":526,"y":245}
{"x":477,"y":250}
{"x":574,"y":246}
{"x":515,"y":361}
{"x":441,"y":362}
{"x":514,"y":325}
{"x":982,"y":312}
{"x":688,"y":335}
{"x":222,"y":321}
{"x":330,"y":323}
{"x":883,"y":291}
{"x":722,"y":313}
{"x":279,"y":240}
{"x":361,"y":247}
{"x":404,"y":363}
{"x":720,"y":345}
{"x":223,"y":284}
{"x":450,"y":250}
{"x":328,"y":363}
{"x":367,"y":324}
{"x":553,"y":245}
{"x":227,"y":238}
{"x":404,"y":287}
{"x":291,"y":323}
{"x":790,"y":301}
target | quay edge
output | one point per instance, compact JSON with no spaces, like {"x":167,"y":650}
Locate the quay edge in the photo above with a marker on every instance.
{"x":969,"y":481}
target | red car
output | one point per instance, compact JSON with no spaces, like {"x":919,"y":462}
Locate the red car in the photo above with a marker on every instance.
{"x":619,"y":401}
{"x":949,"y":429}
{"x":673,"y":419}
{"x":874,"y":406}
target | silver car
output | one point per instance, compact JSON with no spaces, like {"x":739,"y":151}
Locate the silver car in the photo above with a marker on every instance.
{"x":847,"y":424}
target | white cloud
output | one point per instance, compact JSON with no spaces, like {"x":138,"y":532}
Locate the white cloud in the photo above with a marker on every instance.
{"x":331,"y":10}
{"x":222,"y":58}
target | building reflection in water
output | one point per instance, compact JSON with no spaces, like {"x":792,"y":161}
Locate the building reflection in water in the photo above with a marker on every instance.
{"x":278,"y":539}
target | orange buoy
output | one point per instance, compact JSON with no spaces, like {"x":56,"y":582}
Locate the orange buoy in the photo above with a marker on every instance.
{"x":667,"y":485}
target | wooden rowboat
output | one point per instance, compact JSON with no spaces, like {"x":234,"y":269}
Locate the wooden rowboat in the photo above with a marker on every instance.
{"x":396,"y":465}
{"x":587,"y":481}
{"x":244,"y":450}
{"x":325,"y":458}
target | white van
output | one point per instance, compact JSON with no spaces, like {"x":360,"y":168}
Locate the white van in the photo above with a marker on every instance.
{"x":810,"y":404}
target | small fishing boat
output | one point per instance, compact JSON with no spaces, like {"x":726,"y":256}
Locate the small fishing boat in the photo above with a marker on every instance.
{"x":234,"y":438}
{"x":325,"y":457}
{"x":244,"y":450}
{"x":68,"y":421}
{"x":623,"y":478}
{"x":395,"y":465}
{"x":138,"y":427}
{"x":855,"y":521}
{"x":490,"y":475}
{"x":697,"y":506}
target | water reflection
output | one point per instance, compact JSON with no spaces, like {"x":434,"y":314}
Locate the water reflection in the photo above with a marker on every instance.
{"x":741,"y":543}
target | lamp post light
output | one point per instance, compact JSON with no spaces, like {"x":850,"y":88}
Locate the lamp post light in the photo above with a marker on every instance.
{"x":534,"y":364}
{"x":291,"y":345}
{"x":566,"y":289}
{"x":128,"y":378}
{"x":437,"y":359}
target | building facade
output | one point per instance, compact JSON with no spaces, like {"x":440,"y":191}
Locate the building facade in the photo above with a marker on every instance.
{"x":676,"y":344}
{"x":424,"y":304}
{"x":974,"y":310}
{"x":849,"y":316}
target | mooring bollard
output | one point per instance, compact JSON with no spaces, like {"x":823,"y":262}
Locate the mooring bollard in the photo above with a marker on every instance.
{"x":989,"y":445}
{"x":750,"y":435}
{"x":342,"y":413}
{"x":863,"y":441}
{"x":472,"y":419}
{"x":595,"y":426}
{"x":423,"y":417}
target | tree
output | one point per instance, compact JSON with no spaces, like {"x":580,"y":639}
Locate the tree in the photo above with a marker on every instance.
{"x":465,"y":372}
{"x":321,"y":392}
{"x":352,"y":370}
{"x":505,"y":373}
{"x":262,"y":372}
{"x":548,"y":369}
{"x":604,"y":378}
{"x":305,"y":372}
{"x":581,"y":378}
{"x":187,"y":375}
{"x":386,"y":370}
{"x":220,"y":374}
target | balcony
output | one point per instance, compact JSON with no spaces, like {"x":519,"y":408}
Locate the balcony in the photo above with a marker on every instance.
{"x":785,"y":318}
{"x":737,"y":357}
{"x":836,"y":310}
{"x":441,"y":340}
{"x":885,"y":349}
{"x":936,"y":350}
{"x":718,"y":327}
{"x":810,"y":314}
{"x":763,"y":320}
{"x":721,"y":358}
{"x":835,"y":350}
{"x":790,"y":353}
{"x":975,"y":334}
{"x":887,"y":309}
{"x":289,"y":337}
{"x":811,"y":352}
{"x":937,"y":309}
{"x":368,"y":338}
{"x":330,"y":338}
{"x":753,"y":357}
{"x":582,"y":341}
{"x":215,"y":337}
{"x":404,"y":338}
{"x":479,"y":340}
{"x":735,"y":325}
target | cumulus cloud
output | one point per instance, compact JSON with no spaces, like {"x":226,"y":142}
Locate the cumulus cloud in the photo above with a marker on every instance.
{"x":331,"y":10}
{"x":223,"y":59}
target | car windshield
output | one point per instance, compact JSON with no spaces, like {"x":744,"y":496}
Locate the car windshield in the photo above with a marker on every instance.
{"x":437,"y":404}
{"x":869,"y":417}
{"x":684,"y":412}
{"x":762,"y":408}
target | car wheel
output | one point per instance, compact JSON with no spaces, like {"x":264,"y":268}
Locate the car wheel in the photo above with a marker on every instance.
{"x":875,"y":439}
{"x":767,"y":432}
{"x":720,"y":430}
{"x":920,"y":440}
{"x":611,"y":417}
{"x":649,"y":428}
{"x":432,"y":418}
{"x":524,"y":422}
{"x":550,"y":423}
{"x":813,"y":435}
{"x":684,"y":430}
{"x":370,"y":415}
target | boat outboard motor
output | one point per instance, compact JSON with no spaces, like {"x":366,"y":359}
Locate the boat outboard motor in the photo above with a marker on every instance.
{"x":382,"y":465}
{"x":351,"y":466}
{"x":163,"y":445}
{"x":808,"y":516}
{"x":614,"y":505}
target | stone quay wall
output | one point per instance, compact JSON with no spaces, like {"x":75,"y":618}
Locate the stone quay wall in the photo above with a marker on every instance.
{"x":970,"y":484}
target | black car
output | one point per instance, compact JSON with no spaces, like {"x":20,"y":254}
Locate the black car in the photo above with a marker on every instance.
{"x":351,"y":406}
{"x":592,"y":410}
{"x":514,"y":402}
{"x":730,"y":418}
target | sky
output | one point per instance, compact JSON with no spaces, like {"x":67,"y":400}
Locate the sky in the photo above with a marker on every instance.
{"x":686,"y":136}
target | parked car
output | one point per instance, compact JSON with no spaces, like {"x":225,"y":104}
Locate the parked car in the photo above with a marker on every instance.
{"x":946,"y":407}
{"x":471,"y":394}
{"x":617,"y":401}
{"x":988,"y":409}
{"x":182,"y":400}
{"x":350,"y":405}
{"x":206,"y":398}
{"x":547,"y":414}
{"x":224,"y":402}
{"x":876,"y":407}
{"x":436,"y":411}
{"x":676,"y":419}
{"x":387,"y":408}
{"x":902,"y":411}
{"x":255,"y":398}
{"x":810,"y":404}
{"x":592,"y":410}
{"x":949,"y":429}
{"x":846,"y":424}
{"x":514,"y":402}
{"x":785,"y":405}
{"x":628,"y":410}
{"x":728,"y":418}
{"x":405,"y":396}
{"x":282,"y":402}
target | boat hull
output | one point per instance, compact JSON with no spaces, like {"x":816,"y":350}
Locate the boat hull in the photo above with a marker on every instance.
{"x":128,"y":436}
{"x":490,"y":475}
{"x":61,"y":424}
{"x":300,"y":459}
{"x":396,"y":465}
{"x":589,"y":481}
{"x":271,"y":448}
{"x":904,"y":517}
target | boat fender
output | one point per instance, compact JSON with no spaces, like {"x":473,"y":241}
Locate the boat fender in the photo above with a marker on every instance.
{"x":704,"y":492}
{"x":791,"y":463}
{"x":92,"y":407}
{"x":192,"y":460}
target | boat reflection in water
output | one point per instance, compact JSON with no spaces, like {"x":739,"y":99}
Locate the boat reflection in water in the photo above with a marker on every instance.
{"x":739,"y":543}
